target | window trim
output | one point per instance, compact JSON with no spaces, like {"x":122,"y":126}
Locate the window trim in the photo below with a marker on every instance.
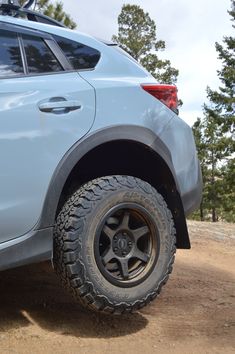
{"x":52,"y":44}
{"x":22,"y":52}
{"x":24,"y":30}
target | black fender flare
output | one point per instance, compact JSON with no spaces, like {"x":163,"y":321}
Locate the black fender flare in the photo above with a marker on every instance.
{"x":92,"y":140}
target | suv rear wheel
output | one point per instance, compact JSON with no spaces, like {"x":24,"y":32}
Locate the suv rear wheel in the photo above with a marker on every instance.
{"x":114,"y":244}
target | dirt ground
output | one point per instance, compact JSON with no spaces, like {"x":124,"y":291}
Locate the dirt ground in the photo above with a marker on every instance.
{"x":195,"y":312}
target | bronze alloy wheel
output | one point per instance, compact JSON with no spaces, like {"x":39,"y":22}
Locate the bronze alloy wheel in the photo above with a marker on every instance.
{"x":126,"y":245}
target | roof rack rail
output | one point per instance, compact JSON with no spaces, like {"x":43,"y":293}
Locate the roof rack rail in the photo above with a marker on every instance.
{"x":13,"y":8}
{"x":28,"y":4}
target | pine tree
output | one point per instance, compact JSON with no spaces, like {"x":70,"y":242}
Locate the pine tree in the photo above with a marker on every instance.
{"x":228,"y":175}
{"x":53,"y":10}
{"x":215,"y":154}
{"x":216,"y":142}
{"x":221,"y":123}
{"x":137,"y":35}
{"x":198,"y":132}
{"x":223,"y":100}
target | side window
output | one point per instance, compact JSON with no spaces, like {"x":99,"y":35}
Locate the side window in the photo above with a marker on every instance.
{"x":39,"y":57}
{"x":10,"y":56}
{"x":79,"y":55}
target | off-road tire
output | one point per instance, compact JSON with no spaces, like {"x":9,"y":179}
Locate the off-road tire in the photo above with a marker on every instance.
{"x":76,"y":228}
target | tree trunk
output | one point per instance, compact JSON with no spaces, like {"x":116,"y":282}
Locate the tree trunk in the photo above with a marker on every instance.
{"x":201,"y":212}
{"x":214,"y":218}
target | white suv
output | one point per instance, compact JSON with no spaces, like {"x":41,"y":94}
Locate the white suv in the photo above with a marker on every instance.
{"x":97,"y":169}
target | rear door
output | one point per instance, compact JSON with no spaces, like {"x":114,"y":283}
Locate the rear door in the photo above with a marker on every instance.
{"x":45,"y":107}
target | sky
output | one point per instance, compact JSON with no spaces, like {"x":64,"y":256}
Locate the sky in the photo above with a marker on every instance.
{"x":190,"y":29}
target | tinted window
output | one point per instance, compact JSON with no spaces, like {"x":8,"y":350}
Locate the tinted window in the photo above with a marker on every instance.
{"x":79,"y":55}
{"x":10,"y":57}
{"x":40,"y":59}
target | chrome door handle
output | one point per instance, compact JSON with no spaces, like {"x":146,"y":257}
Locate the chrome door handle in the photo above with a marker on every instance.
{"x":59,"y":107}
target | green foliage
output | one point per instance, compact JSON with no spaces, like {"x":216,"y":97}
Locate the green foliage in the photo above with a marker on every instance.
{"x":53,"y":10}
{"x":215,"y":139}
{"x":228,"y":178}
{"x":137,"y":35}
{"x":214,"y":155}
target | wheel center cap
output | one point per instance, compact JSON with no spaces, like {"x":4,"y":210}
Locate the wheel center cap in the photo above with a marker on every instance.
{"x":122,"y":244}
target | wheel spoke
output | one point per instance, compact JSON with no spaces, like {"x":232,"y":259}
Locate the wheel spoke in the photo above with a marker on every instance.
{"x":124,"y":268}
{"x":137,"y":233}
{"x":108,"y":256}
{"x":125,"y":220}
{"x":140,"y":255}
{"x":108,"y":232}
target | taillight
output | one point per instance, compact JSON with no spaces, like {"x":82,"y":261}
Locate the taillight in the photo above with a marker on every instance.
{"x":167,"y":94}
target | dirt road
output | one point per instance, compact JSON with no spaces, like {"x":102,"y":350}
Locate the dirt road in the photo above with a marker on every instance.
{"x":195,"y":312}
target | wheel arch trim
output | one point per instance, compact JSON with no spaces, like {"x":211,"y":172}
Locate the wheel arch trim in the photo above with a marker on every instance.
{"x":132,"y":133}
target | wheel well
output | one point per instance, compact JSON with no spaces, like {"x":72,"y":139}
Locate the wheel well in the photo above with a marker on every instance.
{"x":134,"y":159}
